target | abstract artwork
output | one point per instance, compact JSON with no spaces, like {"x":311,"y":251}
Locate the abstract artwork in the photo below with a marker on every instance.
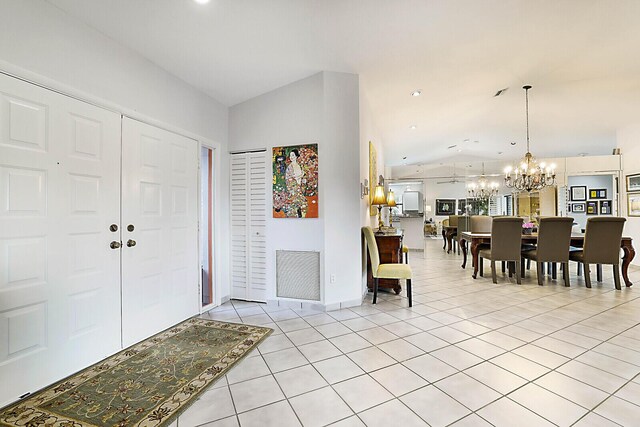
{"x":295,"y":181}
{"x":373,"y":177}
{"x":633,"y":182}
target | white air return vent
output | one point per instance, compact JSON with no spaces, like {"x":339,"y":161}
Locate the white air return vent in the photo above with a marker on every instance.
{"x":298,"y":275}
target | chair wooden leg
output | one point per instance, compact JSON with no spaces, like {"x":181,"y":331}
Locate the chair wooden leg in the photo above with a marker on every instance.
{"x":510,"y":268}
{"x":504,"y":267}
{"x":579,"y":269}
{"x":481,"y":265}
{"x":494,"y":276}
{"x":587,"y":275}
{"x":539,"y":271}
{"x":616,"y":276}
{"x":565,"y":273}
{"x":375,"y":289}
{"x":518,"y":272}
{"x":599,"y":273}
{"x":528,"y":264}
{"x":554,"y":270}
{"x":409,"y":293}
{"x":522,"y":267}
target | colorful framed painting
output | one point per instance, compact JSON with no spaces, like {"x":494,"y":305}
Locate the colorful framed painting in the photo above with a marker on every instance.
{"x":579,"y":193}
{"x":605,"y":207}
{"x":373,"y":177}
{"x":633,"y":182}
{"x":445,"y":207}
{"x":633,"y":204}
{"x":598,"y":193}
{"x":295,"y":181}
{"x":578,"y":207}
{"x":592,"y":208}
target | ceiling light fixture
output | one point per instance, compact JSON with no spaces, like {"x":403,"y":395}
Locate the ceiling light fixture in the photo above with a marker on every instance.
{"x":416,"y":92}
{"x":413,"y":127}
{"x":528,"y":175}
{"x":202,"y":1}
{"x":483,"y":190}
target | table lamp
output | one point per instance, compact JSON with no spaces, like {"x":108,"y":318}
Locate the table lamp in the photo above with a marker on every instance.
{"x":391,"y":202}
{"x":379,"y":200}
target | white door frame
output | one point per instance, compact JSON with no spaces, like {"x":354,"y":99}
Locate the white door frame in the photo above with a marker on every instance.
{"x":217,"y":246}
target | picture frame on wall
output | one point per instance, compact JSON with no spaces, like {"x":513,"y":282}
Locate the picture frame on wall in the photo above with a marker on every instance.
{"x":578,"y":193}
{"x":605,"y":207}
{"x":633,"y":204}
{"x":578,"y":208}
{"x":633,"y":182}
{"x":598,"y":193}
{"x":445,"y":207}
{"x":592,"y":208}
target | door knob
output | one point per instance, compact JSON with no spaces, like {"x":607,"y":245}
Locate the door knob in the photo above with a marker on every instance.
{"x":115,"y":245}
{"x":113,"y":228}
{"x":131,"y":243}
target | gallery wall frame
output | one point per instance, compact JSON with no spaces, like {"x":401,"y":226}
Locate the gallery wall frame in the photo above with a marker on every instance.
{"x":578,"y":207}
{"x":597,"y":193}
{"x":633,"y":204}
{"x":592,"y":208}
{"x":445,"y":207}
{"x":605,"y":207}
{"x":578,"y":193}
{"x":633,"y":182}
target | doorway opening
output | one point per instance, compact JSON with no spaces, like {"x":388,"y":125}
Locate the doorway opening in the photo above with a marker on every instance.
{"x":206,"y":225}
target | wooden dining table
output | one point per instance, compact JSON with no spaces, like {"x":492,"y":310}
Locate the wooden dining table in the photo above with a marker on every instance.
{"x":448,"y":231}
{"x":474,"y":241}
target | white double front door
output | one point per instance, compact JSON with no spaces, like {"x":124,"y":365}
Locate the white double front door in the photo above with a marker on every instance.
{"x":69,"y":296}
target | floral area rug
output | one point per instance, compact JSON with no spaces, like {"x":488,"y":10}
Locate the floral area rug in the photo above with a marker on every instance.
{"x":148,"y":384}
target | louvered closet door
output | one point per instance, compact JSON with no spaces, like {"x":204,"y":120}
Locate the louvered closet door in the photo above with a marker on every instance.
{"x":248,"y":225}
{"x":160,"y":199}
{"x":59,"y":279}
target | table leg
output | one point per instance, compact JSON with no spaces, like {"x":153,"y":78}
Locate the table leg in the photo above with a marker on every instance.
{"x":629,"y":254}
{"x":475,"y":250}
{"x":463,"y":244}
{"x":444,"y":239}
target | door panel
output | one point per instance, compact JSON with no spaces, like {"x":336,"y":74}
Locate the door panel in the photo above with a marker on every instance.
{"x":159,"y":198}
{"x":59,"y":279}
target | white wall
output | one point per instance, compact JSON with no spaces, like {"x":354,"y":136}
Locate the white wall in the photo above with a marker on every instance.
{"x":629,"y":143}
{"x":320,"y":109}
{"x":43,"y":44}
{"x":40,"y":38}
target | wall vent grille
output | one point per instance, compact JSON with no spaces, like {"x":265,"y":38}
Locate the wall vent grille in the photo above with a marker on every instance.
{"x":298,"y":275}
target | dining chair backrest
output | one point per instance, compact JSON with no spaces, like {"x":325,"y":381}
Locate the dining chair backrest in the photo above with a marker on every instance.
{"x":602,"y":240}
{"x":506,"y":238}
{"x":481,"y":224}
{"x":453,"y":220}
{"x":374,"y":255}
{"x":554,"y":239}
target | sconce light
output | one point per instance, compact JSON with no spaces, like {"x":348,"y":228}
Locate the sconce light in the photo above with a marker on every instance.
{"x":364,"y":188}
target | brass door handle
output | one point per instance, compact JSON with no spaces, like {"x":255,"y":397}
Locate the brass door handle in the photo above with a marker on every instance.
{"x":115,"y":245}
{"x":131,"y":243}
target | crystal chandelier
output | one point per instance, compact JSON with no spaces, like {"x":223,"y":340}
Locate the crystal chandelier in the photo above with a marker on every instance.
{"x":483,"y":189}
{"x":529,"y":175}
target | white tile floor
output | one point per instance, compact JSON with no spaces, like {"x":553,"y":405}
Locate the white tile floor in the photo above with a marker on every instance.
{"x":469,"y":353}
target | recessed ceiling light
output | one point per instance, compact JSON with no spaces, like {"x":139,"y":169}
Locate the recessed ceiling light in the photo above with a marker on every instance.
{"x":416,"y":92}
{"x":202,"y":1}
{"x":513,"y":143}
{"x":413,"y":127}
{"x":404,"y":158}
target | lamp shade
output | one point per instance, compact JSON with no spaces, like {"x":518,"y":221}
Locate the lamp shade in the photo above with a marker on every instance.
{"x":379,"y":197}
{"x":391,"y":199}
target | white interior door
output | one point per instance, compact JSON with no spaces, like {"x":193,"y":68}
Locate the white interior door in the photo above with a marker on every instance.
{"x":160,"y":200}
{"x":59,"y":278}
{"x":248,"y":226}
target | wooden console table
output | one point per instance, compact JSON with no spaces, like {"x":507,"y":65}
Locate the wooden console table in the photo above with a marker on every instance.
{"x":390,"y":249}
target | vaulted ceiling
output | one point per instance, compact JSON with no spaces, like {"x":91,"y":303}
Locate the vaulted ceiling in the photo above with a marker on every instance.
{"x":581,"y":56}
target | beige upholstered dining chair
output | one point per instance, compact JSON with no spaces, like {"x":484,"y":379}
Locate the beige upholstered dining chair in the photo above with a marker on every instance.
{"x":554,"y":241}
{"x":601,"y":246}
{"x":385,"y":271}
{"x":454,"y":221}
{"x":506,"y":241}
{"x":481,"y":224}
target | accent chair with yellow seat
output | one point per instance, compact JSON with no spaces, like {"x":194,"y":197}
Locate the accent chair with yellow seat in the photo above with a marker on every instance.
{"x":385,"y":271}
{"x":554,"y":241}
{"x":601,"y":246}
